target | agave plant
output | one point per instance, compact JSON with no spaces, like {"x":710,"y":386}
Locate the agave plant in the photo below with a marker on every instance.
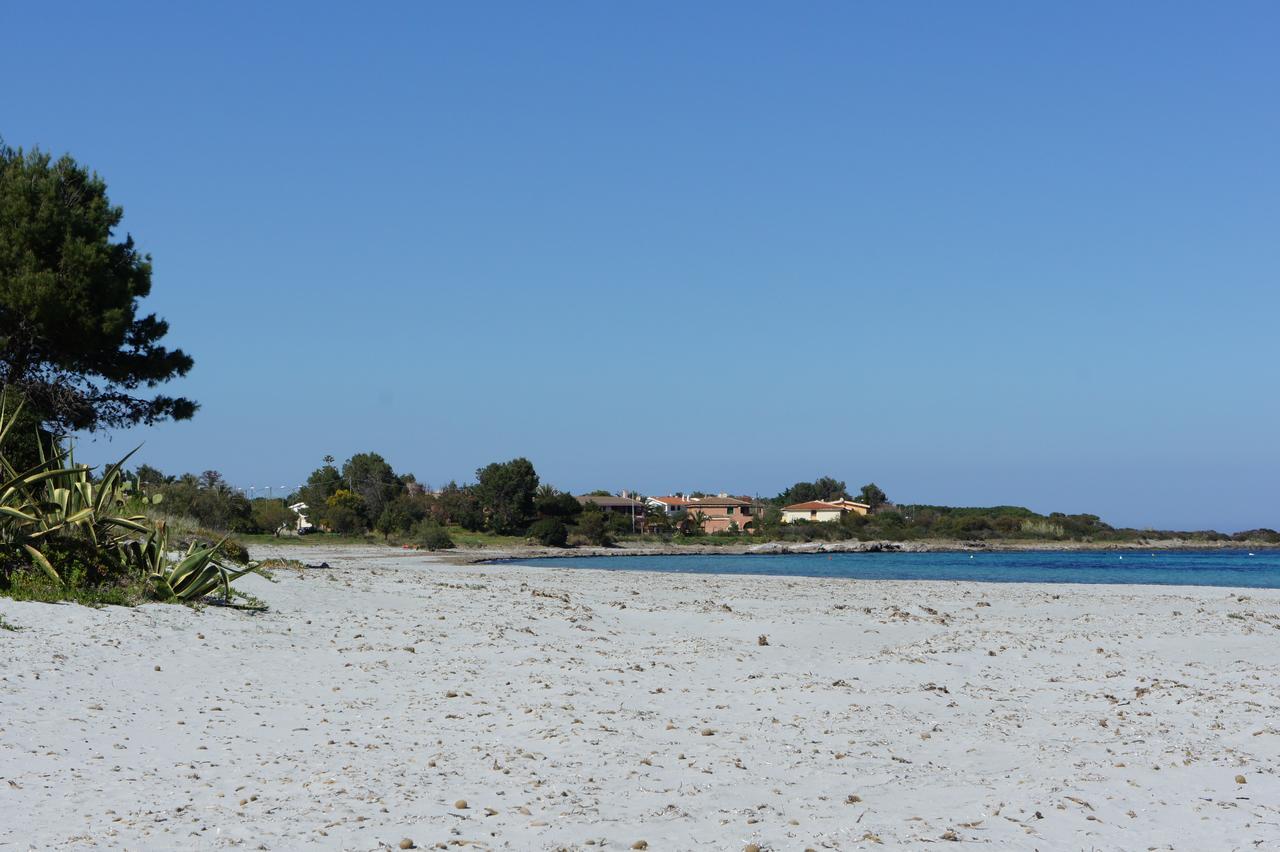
{"x":59,"y":500}
{"x":193,"y":577}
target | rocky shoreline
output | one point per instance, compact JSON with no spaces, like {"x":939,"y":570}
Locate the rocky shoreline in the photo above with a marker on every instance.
{"x":770,"y":548}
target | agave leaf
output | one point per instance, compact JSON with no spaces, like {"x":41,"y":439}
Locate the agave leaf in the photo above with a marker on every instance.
{"x":197,"y":584}
{"x":79,"y":516}
{"x":185,"y":572}
{"x":162,"y":584}
{"x":17,"y":514}
{"x":133,"y":524}
{"x":6,"y":423}
{"x":44,"y":563}
{"x":196,"y":557}
{"x":111,"y":474}
{"x":36,"y":475}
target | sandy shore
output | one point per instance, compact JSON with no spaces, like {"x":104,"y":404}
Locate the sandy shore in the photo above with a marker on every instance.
{"x":588,"y":709}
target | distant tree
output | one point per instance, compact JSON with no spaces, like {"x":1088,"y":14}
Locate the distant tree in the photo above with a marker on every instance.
{"x":459,"y":505}
{"x":771,"y":521}
{"x":563,"y":506}
{"x":212,"y":479}
{"x":149,"y":477}
{"x":600,"y":492}
{"x":346,"y":512}
{"x":344,"y":520}
{"x":396,"y":517}
{"x":594,"y":526}
{"x":873,"y":496}
{"x":505,"y":491}
{"x":210,"y":500}
{"x":823,"y":488}
{"x":658,"y":522}
{"x":369,"y":475}
{"x":322,"y":483}
{"x":620,"y":524}
{"x":74,"y":345}
{"x":270,"y":515}
{"x":694,"y":523}
{"x":550,"y":532}
{"x":680,"y":520}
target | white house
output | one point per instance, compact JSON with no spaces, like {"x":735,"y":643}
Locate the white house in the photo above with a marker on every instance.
{"x":303,"y":524}
{"x":819,"y":511}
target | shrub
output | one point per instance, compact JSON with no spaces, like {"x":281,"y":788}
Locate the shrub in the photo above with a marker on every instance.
{"x":620,"y":524}
{"x":594,"y":527}
{"x":432,"y":536}
{"x":344,"y":521}
{"x":550,"y":532}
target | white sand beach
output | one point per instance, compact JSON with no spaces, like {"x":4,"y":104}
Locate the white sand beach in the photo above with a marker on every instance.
{"x":584,"y":709}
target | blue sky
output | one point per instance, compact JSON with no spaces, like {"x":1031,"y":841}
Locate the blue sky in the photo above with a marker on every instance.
{"x":979,"y":253}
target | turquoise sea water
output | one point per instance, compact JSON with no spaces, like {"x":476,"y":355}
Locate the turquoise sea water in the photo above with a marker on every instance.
{"x":1235,"y":568}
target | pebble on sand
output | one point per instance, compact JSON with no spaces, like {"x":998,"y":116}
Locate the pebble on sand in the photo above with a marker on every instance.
{"x":1240,"y":779}
{"x":461,"y":805}
{"x":407,"y":843}
{"x":640,"y":844}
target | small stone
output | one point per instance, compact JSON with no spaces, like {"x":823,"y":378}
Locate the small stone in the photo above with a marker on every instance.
{"x":763,"y":640}
{"x":1240,"y":779}
{"x":950,"y":835}
{"x":244,"y":802}
{"x":640,"y":844}
{"x":852,"y":799}
{"x":461,"y":805}
{"x":707,"y":732}
{"x":157,"y":668}
{"x":407,"y":843}
{"x":751,"y":847}
{"x":451,"y":694}
{"x":411,"y":649}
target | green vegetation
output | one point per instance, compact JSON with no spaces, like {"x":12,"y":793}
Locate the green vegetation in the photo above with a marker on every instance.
{"x":506,"y":491}
{"x":824,"y":488}
{"x":65,"y":535}
{"x":75,"y":348}
{"x":431,"y":535}
{"x":550,"y":532}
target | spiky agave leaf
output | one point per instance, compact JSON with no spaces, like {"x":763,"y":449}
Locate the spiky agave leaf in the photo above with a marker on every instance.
{"x":44,"y":564}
